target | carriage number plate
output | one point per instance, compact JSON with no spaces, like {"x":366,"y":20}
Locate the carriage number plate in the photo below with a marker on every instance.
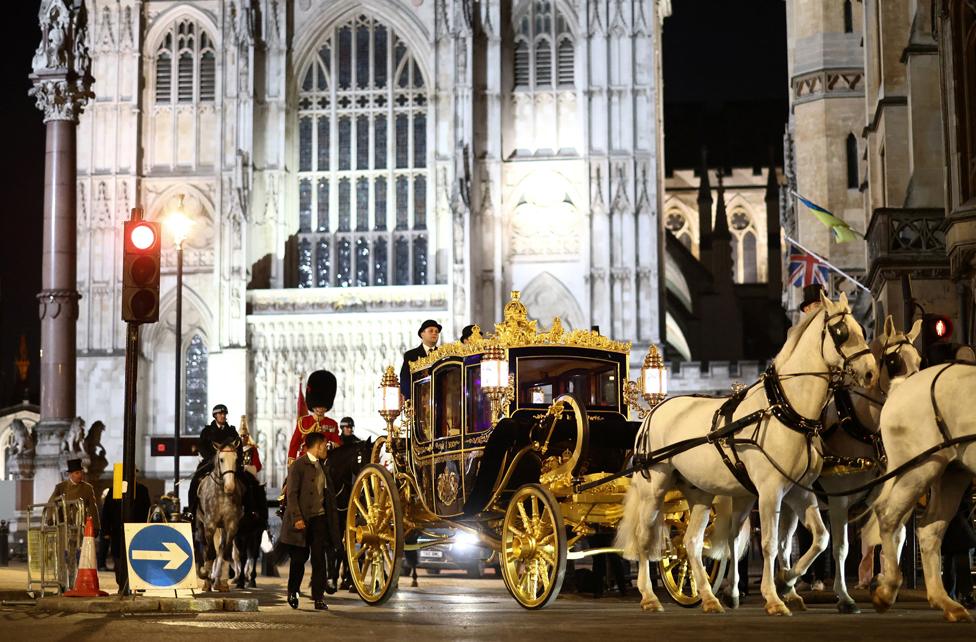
{"x":432,"y":554}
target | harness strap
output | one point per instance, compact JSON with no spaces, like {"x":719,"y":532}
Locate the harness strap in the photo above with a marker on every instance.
{"x":939,"y":421}
{"x":783,"y":410}
{"x":737,"y":468}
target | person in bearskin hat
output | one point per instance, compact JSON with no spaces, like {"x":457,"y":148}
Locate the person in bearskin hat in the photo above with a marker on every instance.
{"x":213,"y":437}
{"x":429,"y":333}
{"x":320,"y":392}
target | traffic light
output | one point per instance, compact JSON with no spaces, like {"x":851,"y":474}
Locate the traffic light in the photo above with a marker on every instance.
{"x":163,"y":447}
{"x":140,"y":272}
{"x":936,"y":332}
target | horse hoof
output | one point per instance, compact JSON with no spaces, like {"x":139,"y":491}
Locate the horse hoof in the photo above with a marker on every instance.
{"x":796,"y":603}
{"x":958,"y":613}
{"x":882,"y":597}
{"x":207,"y":586}
{"x":777,"y":609}
{"x":223,"y":586}
{"x":651,"y":604}
{"x":847,"y":608}
{"x":414,"y":583}
{"x":252,"y":584}
{"x":712,"y":606}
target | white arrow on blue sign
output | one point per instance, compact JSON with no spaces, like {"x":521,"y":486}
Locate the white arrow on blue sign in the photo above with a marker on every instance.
{"x":160,"y":556}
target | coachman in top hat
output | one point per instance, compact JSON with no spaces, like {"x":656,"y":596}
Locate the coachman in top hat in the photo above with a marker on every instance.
{"x":320,"y":392}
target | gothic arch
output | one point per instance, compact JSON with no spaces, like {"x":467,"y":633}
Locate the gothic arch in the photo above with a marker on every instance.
{"x":163,"y":21}
{"x":395,"y":15}
{"x":198,"y":318}
{"x":562,"y":6}
{"x":546,"y":297}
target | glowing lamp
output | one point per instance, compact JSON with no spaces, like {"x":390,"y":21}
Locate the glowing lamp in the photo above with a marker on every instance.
{"x":179,"y":224}
{"x":388,"y":394}
{"x":654,"y":376}
{"x":494,"y":368}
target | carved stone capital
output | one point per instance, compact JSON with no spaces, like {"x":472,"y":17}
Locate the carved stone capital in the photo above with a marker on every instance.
{"x":62,"y":63}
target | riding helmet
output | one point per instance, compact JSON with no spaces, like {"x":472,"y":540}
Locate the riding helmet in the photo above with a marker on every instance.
{"x":218,"y":408}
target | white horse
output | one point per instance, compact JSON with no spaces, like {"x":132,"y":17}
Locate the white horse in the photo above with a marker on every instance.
{"x":218,"y":516}
{"x":925,"y":412}
{"x":844,"y":441}
{"x":818,"y":351}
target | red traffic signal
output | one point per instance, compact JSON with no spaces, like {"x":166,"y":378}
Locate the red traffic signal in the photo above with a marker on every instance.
{"x":140,"y":272}
{"x":936,"y":327}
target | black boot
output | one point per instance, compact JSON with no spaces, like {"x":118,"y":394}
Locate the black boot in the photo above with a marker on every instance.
{"x":320,"y":605}
{"x":293,"y":600}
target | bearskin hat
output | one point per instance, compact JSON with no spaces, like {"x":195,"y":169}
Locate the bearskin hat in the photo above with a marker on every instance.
{"x":320,"y":391}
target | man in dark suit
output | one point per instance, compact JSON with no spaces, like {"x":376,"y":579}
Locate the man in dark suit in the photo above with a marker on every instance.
{"x":429,"y":333}
{"x":305,"y":527}
{"x":113,"y":529}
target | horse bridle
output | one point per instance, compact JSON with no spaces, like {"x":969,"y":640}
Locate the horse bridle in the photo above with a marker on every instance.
{"x":218,"y":475}
{"x":894,"y":363}
{"x":839,"y":334}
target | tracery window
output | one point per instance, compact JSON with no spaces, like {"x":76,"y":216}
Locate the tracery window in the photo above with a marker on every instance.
{"x":744,"y":252}
{"x":544,"y":48}
{"x":678,"y":224}
{"x":195,"y":415}
{"x":362,"y":161}
{"x":187,"y":54}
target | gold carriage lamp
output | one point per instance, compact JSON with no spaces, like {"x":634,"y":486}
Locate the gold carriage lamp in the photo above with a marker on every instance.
{"x":496,"y":382}
{"x":651,"y":387}
{"x":388,"y":398}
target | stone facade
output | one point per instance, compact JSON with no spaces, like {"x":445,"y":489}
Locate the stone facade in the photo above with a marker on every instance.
{"x":427,"y":157}
{"x":865,"y":142}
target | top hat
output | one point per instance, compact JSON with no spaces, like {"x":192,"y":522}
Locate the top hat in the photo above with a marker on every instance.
{"x":320,"y":391}
{"x":74,"y":466}
{"x":429,"y":323}
{"x":219,"y":408}
{"x":811,"y":294}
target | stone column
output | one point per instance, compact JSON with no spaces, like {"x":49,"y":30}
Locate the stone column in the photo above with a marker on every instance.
{"x":62,"y":86}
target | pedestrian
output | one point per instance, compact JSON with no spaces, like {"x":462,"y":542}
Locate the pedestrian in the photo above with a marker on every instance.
{"x":320,"y":393}
{"x":114,"y":530}
{"x":346,"y":428}
{"x":73,"y":488}
{"x":213,"y":437}
{"x":811,"y":298}
{"x":429,"y":333}
{"x":305,"y":528}
{"x":467,"y":332}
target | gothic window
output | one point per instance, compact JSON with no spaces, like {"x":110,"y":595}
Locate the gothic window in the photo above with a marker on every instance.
{"x":544,"y":48}
{"x":195,"y":415}
{"x":678,"y":224}
{"x":186,"y":53}
{"x":848,"y":17}
{"x":364,"y":91}
{"x":851,"y":162}
{"x":744,"y":253}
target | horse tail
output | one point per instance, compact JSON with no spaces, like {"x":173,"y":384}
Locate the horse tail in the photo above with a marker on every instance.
{"x":640,"y":533}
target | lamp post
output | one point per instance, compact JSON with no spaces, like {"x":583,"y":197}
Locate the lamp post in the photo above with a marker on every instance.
{"x":496,"y":382}
{"x":651,"y":386}
{"x":179,"y":225}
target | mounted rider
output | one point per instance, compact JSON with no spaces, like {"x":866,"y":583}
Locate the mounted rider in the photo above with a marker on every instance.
{"x":320,"y":392}
{"x":347,"y":426}
{"x":216,"y":435}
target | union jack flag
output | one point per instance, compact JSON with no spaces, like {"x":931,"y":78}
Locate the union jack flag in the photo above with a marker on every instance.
{"x":806,"y":269}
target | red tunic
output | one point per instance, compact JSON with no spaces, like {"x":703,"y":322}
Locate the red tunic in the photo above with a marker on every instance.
{"x":309,"y":424}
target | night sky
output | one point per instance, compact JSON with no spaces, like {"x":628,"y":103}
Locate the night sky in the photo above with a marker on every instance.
{"x":724,"y":87}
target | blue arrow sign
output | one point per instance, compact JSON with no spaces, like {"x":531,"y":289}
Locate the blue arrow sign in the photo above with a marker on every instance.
{"x":161,"y":555}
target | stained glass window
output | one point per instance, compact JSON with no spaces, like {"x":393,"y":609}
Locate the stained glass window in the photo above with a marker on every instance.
{"x":195,"y":411}
{"x":365,"y":97}
{"x":304,"y":263}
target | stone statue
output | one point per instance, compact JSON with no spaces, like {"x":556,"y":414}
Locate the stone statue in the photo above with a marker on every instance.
{"x":94,"y":451}
{"x":23,"y":439}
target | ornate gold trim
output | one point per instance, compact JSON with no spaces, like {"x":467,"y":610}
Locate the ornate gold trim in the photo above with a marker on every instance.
{"x":518,"y":331}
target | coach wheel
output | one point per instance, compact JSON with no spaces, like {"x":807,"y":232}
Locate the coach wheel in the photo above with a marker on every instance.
{"x":675,"y":569}
{"x":533,"y":551}
{"x":374,"y":534}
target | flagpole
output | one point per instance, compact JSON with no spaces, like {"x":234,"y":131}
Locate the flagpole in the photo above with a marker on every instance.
{"x":829,"y":264}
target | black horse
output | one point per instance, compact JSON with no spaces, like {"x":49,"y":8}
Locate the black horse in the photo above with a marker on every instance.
{"x":250,"y":530}
{"x":341,"y":467}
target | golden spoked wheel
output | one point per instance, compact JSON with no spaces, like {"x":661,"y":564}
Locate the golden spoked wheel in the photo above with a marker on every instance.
{"x":533,"y":553}
{"x":675,"y":569}
{"x":374,"y":534}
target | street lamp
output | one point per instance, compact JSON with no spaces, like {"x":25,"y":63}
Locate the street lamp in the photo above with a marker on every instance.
{"x":651,"y":387}
{"x":179,"y":224}
{"x":496,"y":383}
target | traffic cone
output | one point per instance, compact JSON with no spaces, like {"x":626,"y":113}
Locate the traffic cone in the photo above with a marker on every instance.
{"x":86,"y":584}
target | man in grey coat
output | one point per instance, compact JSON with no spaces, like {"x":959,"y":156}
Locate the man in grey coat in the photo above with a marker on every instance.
{"x":305,"y":527}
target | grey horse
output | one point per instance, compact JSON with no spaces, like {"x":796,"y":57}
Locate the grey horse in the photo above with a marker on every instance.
{"x":219,"y":513}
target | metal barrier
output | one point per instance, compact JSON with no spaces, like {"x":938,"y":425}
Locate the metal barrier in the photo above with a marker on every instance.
{"x":54,"y":535}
